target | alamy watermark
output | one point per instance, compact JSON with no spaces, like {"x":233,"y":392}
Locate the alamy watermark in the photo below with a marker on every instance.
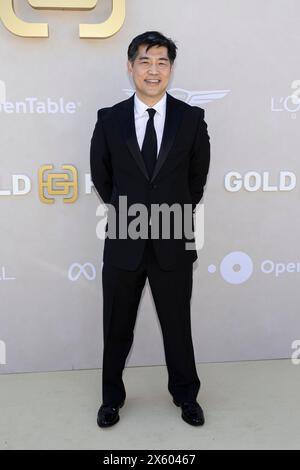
{"x":167,"y":221}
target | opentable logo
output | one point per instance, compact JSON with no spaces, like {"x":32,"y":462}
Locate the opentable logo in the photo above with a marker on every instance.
{"x":35,"y":105}
{"x":237,"y":267}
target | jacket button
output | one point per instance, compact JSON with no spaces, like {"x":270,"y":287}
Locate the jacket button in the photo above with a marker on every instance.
{"x":153,"y":186}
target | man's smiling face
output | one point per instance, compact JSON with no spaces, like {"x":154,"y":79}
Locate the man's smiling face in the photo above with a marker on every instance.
{"x":151,"y":73}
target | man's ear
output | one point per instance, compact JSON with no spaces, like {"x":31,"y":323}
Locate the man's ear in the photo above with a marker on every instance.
{"x":129,"y":66}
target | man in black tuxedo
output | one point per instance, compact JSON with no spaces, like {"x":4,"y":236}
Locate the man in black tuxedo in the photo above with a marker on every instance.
{"x":151,"y":149}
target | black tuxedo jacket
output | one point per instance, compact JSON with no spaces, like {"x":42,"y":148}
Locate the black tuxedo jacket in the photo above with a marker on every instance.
{"x":118,"y":169}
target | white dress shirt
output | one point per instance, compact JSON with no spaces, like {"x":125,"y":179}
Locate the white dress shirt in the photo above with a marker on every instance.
{"x":141,"y":117}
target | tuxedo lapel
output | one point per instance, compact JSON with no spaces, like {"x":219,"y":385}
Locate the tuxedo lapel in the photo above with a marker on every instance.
{"x":130,"y":134}
{"x":173,"y":117}
{"x":172,"y":120}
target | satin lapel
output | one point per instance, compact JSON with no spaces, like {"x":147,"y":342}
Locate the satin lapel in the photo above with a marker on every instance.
{"x":130,"y":135}
{"x":172,"y":120}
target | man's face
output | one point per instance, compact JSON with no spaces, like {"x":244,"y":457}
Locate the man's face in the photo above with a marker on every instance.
{"x":151,"y":72}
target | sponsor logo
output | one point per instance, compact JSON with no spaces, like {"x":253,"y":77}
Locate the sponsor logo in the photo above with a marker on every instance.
{"x":289,"y":103}
{"x":254,"y":181}
{"x":237,"y":267}
{"x":34,"y":105}
{"x":191,"y":97}
{"x":76,"y":270}
{"x":18,"y":26}
{"x":52,"y":184}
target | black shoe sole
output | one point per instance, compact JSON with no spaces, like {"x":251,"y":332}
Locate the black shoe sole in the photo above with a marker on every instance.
{"x":190,"y":422}
{"x":108,"y":424}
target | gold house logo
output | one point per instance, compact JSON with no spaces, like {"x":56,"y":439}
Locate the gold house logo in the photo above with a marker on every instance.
{"x":40,"y":30}
{"x":53,"y":183}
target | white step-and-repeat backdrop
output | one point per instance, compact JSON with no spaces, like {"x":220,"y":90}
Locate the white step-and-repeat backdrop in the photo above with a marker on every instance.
{"x":240,"y":62}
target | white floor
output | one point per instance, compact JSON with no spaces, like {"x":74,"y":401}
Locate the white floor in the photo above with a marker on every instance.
{"x":247,"y":405}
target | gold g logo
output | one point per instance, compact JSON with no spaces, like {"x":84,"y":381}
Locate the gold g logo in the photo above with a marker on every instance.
{"x":40,"y":30}
{"x":52,"y":183}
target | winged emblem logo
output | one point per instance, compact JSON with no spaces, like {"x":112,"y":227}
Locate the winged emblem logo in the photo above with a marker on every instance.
{"x":192,"y":97}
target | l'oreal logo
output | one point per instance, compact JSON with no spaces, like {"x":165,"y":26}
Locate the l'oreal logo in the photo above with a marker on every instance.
{"x":40,"y":30}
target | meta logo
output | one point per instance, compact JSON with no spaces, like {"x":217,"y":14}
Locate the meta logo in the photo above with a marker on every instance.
{"x":87,"y":270}
{"x":191,"y":97}
{"x":2,"y":352}
{"x":41,"y":30}
{"x":253,"y":181}
{"x":237,"y":267}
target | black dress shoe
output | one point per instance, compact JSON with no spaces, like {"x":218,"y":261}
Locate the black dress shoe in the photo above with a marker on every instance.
{"x":108,"y":415}
{"x":192,"y":412}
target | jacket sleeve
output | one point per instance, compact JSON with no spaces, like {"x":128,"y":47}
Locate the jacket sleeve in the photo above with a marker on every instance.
{"x":200,"y":161}
{"x":100,"y":161}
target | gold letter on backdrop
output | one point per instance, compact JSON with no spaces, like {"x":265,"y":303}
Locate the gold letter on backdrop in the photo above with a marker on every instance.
{"x":19,"y":27}
{"x":107,"y":28}
{"x":63,"y":4}
{"x":40,"y":30}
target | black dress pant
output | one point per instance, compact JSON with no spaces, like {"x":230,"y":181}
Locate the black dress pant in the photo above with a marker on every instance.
{"x":171,"y":292}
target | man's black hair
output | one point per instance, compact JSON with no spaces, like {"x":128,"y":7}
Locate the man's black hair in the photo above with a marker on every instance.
{"x":151,"y":38}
